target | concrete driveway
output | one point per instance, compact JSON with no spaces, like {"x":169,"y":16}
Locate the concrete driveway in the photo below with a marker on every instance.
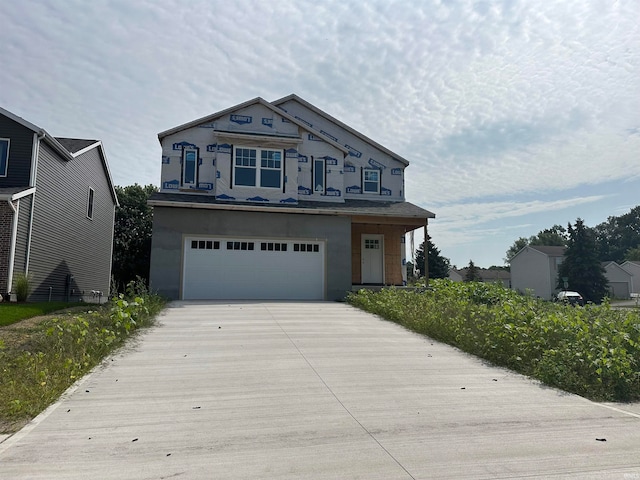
{"x":314,"y":390}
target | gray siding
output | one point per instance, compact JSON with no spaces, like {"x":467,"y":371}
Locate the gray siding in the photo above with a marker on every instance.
{"x":20,"y":146}
{"x":64,"y":241}
{"x":24,"y":213}
{"x":170,"y":224}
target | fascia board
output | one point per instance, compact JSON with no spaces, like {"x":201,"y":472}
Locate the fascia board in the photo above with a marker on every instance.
{"x":260,"y":208}
{"x":57,"y":146}
{"x":20,"y":120}
{"x":18,"y":195}
{"x":363,"y":137}
{"x":248,"y":103}
{"x":107,"y":170}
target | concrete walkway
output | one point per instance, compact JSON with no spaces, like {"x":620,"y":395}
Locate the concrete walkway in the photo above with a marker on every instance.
{"x":314,"y":390}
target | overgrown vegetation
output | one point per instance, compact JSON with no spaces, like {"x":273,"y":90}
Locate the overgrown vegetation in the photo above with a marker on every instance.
{"x":22,"y":287}
{"x":593,"y":351}
{"x":38,"y":363}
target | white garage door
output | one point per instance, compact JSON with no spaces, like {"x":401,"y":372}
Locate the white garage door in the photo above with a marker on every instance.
{"x":242,"y":268}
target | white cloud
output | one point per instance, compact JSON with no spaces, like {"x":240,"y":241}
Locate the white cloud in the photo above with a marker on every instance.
{"x":486,"y":99}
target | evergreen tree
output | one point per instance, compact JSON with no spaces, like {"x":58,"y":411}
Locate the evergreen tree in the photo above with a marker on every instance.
{"x":581,"y":265}
{"x":473,"y":273}
{"x":438,"y":265}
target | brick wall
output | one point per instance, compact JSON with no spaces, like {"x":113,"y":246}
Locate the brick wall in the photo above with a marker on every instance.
{"x":6,"y":216}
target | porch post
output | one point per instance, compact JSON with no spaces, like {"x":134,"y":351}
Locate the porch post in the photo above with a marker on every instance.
{"x":426,"y":255}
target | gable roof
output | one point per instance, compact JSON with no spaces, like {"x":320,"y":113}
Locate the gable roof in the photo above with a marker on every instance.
{"x":257,"y":100}
{"x":551,"y":251}
{"x":74,"y":145}
{"x":325,"y":115}
{"x":67,"y":148}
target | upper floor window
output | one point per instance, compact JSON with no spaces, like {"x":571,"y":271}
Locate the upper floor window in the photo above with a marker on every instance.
{"x":257,"y":167}
{"x":189,"y":166}
{"x":319,"y":175}
{"x":371,"y":181}
{"x":90,"y":204}
{"x":4,"y":156}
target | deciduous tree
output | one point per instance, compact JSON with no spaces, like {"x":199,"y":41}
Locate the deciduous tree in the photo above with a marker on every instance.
{"x":132,"y":234}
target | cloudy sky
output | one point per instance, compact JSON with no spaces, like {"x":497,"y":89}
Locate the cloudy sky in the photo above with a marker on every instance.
{"x":515,"y":115}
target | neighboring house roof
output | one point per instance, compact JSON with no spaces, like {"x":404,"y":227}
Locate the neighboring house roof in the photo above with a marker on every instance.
{"x":261,"y":101}
{"x":551,"y":251}
{"x":338,"y":122}
{"x":67,"y":148}
{"x":349,"y":207}
{"x":487,"y":275}
{"x":74,"y":145}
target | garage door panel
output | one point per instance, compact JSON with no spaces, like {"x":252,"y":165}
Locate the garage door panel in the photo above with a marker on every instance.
{"x":253,"y":269}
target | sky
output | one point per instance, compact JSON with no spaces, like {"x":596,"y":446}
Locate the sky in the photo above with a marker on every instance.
{"x":515,"y":115}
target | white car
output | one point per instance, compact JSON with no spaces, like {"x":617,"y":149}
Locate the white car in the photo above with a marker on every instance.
{"x":571,"y":298}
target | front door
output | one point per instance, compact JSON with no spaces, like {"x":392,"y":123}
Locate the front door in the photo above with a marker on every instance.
{"x":372,"y":254}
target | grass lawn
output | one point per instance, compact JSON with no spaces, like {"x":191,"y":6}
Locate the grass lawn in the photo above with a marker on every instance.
{"x":14,"y":312}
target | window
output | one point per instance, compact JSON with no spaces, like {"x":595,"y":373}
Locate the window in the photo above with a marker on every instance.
{"x":90,"y":204}
{"x":372,"y":244}
{"x":205,"y":245}
{"x":190,"y":166}
{"x":273,"y":247}
{"x":318,"y":175}
{"x":306,"y":247}
{"x":4,"y":156}
{"x":240,"y":245}
{"x":371,"y":181}
{"x":249,"y":173}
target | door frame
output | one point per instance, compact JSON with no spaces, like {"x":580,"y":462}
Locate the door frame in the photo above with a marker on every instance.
{"x":376,"y":236}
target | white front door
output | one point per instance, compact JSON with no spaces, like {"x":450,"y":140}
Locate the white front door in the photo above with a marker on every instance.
{"x":372,"y":253}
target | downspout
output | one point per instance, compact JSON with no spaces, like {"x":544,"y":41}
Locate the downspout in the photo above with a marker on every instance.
{"x":12,"y":245}
{"x":32,"y":183}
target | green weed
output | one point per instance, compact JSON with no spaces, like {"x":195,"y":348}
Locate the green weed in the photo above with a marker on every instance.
{"x":60,"y":351}
{"x":592,"y":351}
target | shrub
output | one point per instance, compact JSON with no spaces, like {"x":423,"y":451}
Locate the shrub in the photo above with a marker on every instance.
{"x":22,"y":287}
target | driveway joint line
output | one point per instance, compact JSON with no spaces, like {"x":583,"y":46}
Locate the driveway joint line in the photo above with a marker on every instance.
{"x":336,"y":397}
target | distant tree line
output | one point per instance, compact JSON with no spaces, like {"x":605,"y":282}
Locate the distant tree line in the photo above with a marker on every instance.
{"x":617,"y":239}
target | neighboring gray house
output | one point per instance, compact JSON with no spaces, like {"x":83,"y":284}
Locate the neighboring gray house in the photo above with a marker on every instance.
{"x":502,"y":277}
{"x":634,"y":269}
{"x":620,"y":280}
{"x":277,"y":200}
{"x":534,"y":270}
{"x":57,"y":207}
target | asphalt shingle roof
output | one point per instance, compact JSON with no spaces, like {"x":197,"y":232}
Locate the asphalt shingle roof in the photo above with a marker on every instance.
{"x":349,"y":207}
{"x":74,"y":145}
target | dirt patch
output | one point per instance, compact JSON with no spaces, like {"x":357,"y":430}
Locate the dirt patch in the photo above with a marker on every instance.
{"x":18,"y":334}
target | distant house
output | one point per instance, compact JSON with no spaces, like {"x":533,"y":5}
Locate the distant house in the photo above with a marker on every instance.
{"x":487,"y":275}
{"x":57,"y":207}
{"x":634,"y":269}
{"x":534,"y":269}
{"x":620,"y":280}
{"x":277,"y":200}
